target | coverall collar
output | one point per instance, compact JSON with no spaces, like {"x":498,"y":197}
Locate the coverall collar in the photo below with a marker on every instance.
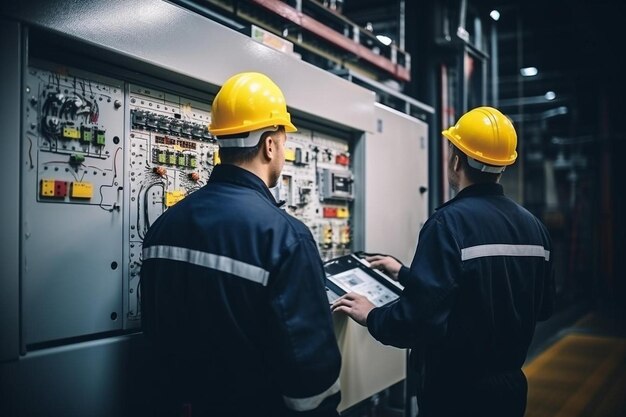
{"x":476,"y":190}
{"x":239,"y":176}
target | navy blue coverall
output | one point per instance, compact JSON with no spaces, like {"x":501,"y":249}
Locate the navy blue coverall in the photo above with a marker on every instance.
{"x":481,"y":278}
{"x":233,"y":298}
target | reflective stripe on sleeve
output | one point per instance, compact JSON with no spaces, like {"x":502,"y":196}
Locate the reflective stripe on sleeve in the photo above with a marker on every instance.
{"x":482,"y":251}
{"x":311,"y":403}
{"x":208,"y":260}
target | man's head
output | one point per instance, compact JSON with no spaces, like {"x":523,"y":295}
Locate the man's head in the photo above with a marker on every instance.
{"x":249,"y":118}
{"x":481,"y":144}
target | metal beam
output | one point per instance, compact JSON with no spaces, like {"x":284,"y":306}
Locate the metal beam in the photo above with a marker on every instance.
{"x":308,"y":23}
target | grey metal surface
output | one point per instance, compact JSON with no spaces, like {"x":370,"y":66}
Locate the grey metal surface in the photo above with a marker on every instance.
{"x":10,"y":84}
{"x":100,"y":378}
{"x":396,"y":167}
{"x":71,"y":259}
{"x":154,"y":31}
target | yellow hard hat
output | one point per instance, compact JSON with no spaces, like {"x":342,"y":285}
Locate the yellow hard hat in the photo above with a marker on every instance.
{"x":246,"y":102}
{"x":485,"y":135}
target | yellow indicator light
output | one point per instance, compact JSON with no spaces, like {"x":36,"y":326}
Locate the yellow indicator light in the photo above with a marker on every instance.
{"x":216,"y":157}
{"x":82,"y":190}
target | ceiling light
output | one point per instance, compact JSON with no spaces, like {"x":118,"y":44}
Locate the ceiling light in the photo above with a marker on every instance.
{"x":529,"y":71}
{"x":385,"y":40}
{"x":550,"y":95}
{"x":495,"y":15}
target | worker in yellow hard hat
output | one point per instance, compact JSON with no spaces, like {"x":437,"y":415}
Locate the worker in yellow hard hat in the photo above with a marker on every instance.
{"x":481,"y":277}
{"x":233,"y":292}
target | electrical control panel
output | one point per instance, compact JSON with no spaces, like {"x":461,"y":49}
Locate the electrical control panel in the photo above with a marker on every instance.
{"x":171,"y":155}
{"x":76,"y":157}
{"x":103,"y":159}
{"x":309,"y":157}
{"x":72,"y":197}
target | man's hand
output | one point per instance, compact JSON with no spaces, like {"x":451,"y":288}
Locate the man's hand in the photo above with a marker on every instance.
{"x":355,"y":306}
{"x":387,"y":264}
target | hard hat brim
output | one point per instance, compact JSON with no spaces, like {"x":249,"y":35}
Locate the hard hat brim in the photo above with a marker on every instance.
{"x":452,"y":137}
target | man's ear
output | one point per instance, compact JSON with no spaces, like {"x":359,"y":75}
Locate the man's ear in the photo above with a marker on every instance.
{"x":457,"y":163}
{"x":269,"y":147}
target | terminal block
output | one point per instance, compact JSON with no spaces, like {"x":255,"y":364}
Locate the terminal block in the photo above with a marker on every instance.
{"x":60,"y":189}
{"x":82,"y":190}
{"x":86,"y":134}
{"x":160,"y":157}
{"x":171,"y":158}
{"x":100,"y":139}
{"x":71,"y":133}
{"x":46,"y":188}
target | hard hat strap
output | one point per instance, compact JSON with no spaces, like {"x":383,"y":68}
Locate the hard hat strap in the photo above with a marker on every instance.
{"x":244,"y":140}
{"x":483,"y":167}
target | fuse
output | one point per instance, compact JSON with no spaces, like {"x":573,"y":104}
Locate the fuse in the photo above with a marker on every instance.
{"x":194,"y":176}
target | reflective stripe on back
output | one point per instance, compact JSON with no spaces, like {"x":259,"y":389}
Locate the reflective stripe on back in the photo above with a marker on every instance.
{"x":482,"y":251}
{"x":311,"y":403}
{"x":208,"y":260}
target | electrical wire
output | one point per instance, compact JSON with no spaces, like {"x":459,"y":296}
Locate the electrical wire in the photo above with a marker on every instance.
{"x":147,"y":223}
{"x":114,"y":206}
{"x":30,"y":153}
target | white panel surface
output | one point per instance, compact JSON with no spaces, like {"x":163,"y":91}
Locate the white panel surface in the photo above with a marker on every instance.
{"x":396,"y":173}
